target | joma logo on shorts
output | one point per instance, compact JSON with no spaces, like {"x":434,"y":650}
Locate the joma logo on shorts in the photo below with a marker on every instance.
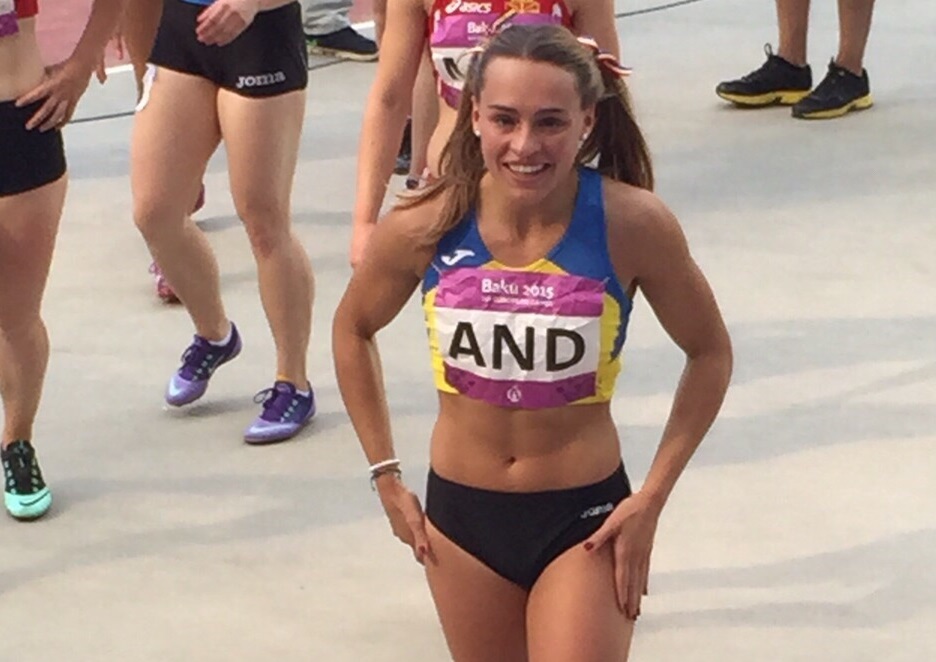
{"x":597,"y":511}
{"x":261,"y":80}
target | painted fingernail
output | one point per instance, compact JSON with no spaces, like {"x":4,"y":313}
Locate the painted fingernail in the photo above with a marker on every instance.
{"x":589,"y":546}
{"x":422,"y":550}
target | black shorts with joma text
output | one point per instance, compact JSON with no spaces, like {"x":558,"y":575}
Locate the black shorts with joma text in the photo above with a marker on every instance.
{"x":28,"y":159}
{"x":518,"y":534}
{"x":268,"y":59}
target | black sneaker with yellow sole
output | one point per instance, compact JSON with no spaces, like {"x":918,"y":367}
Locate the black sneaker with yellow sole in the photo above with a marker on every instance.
{"x":840,"y":92}
{"x":347,"y":44}
{"x":775,"y":82}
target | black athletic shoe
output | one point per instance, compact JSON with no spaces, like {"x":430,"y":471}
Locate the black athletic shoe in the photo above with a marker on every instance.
{"x":25,"y":493}
{"x":776,"y":82}
{"x":346,"y":43}
{"x":840,"y":92}
{"x":405,"y":156}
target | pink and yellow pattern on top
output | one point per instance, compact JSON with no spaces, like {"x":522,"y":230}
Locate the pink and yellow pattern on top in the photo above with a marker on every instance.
{"x":456,"y":26}
{"x":546,"y":335}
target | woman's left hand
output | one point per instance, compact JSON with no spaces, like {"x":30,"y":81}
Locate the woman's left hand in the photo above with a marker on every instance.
{"x":61,"y":88}
{"x":629,"y":531}
{"x":224,"y":21}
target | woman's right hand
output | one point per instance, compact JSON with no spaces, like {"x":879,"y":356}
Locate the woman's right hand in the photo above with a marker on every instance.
{"x":59,"y":91}
{"x":116,"y":43}
{"x":225,"y":20}
{"x":405,"y":513}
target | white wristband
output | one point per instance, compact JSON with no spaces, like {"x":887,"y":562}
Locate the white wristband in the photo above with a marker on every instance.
{"x":393,"y":462}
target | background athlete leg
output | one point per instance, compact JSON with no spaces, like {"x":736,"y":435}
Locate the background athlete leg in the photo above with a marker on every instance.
{"x":262,"y":141}
{"x":28,"y":226}
{"x":793,"y":24}
{"x":173,"y":138}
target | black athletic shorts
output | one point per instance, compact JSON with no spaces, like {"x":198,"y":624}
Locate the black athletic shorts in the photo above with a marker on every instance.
{"x":269,"y":58}
{"x":518,"y":534}
{"x":28,"y":159}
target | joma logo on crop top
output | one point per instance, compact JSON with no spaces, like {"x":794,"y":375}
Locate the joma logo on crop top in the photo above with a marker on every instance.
{"x":465,"y":342}
{"x":468,"y":7}
{"x":261,"y":80}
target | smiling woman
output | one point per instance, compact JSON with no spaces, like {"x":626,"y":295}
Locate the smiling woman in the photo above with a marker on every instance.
{"x":447,"y":29}
{"x":535,"y":547}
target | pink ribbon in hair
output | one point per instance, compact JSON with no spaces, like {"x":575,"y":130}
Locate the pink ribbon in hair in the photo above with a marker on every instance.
{"x":605,"y":59}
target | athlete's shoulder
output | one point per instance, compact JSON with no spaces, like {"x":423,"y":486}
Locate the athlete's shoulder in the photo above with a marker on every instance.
{"x":639,"y":222}
{"x":413,"y":217}
{"x":643,"y":233}
{"x":634,"y":207}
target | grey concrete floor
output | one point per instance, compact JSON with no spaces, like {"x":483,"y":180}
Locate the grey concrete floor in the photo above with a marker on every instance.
{"x":804,"y":529}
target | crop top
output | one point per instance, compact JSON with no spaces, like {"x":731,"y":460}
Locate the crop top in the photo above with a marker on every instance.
{"x":458,"y":25}
{"x":546,"y":335}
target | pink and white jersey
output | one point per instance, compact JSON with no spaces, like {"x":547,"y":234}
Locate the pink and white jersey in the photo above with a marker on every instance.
{"x":458,"y":25}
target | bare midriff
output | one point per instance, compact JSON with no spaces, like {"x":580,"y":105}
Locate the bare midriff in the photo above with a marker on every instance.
{"x":517,"y":450}
{"x":21,"y":67}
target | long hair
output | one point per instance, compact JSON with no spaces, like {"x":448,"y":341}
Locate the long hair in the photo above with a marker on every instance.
{"x":615,"y":140}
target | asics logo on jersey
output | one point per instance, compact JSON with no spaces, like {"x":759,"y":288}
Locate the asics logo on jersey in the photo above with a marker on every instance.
{"x":261,"y":80}
{"x":457,"y":256}
{"x":468,"y":7}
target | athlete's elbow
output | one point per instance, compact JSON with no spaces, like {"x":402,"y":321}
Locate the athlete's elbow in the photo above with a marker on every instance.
{"x":387,"y":100}
{"x":717,"y":356}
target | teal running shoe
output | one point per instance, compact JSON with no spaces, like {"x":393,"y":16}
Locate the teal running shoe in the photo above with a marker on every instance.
{"x":24,"y":491}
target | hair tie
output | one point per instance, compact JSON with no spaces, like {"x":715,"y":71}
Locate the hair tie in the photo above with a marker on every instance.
{"x":499,"y":23}
{"x":604,"y":58}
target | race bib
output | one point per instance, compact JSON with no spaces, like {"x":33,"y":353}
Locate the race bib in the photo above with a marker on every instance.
{"x":519,"y":339}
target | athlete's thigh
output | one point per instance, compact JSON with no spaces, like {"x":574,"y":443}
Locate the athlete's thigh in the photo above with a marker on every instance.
{"x":572,"y":615}
{"x":28,"y":226}
{"x":174,"y":135}
{"x":261,"y":136}
{"x":482,"y":614}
